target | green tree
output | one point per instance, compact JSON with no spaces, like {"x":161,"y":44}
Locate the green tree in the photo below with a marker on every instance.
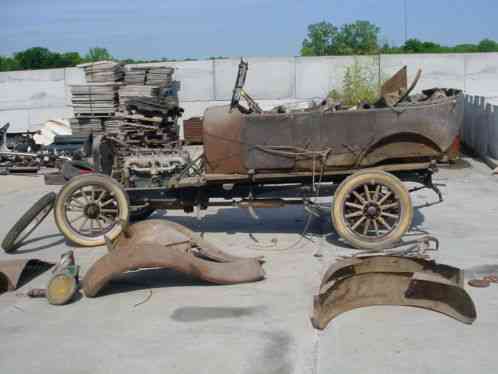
{"x":98,"y":54}
{"x":487,"y":45}
{"x":360,"y":37}
{"x":321,"y":39}
{"x":36,"y":58}
{"x":69,"y":59}
{"x":8,"y":64}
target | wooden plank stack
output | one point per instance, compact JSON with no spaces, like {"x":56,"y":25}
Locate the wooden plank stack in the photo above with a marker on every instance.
{"x":86,"y":126}
{"x":128,"y":92}
{"x":149,"y":76}
{"x":103,"y":71}
{"x":95,"y":99}
{"x":100,"y":106}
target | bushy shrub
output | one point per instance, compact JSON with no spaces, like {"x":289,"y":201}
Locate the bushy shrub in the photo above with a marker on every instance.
{"x":360,"y":84}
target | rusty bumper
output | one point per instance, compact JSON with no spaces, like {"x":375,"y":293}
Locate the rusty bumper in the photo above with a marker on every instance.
{"x":392,"y":280}
{"x":164,"y":244}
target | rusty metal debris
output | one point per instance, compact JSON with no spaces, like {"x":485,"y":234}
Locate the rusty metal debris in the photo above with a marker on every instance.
{"x":15,"y":273}
{"x":160,"y":243}
{"x":479,"y":283}
{"x":491,"y":278}
{"x":392,"y":280}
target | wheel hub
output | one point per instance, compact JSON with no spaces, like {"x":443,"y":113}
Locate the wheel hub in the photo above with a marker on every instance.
{"x":92,"y":211}
{"x":372,"y":210}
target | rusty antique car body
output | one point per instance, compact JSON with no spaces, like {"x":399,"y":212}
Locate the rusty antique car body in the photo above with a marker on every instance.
{"x":253,"y":158}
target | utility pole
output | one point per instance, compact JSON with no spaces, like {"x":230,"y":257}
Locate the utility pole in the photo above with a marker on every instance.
{"x":406,"y":20}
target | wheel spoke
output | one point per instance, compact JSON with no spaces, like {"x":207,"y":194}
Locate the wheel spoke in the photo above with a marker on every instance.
{"x":99,"y":224}
{"x":74,"y":209}
{"x":389,"y":206}
{"x":395,"y":216}
{"x":358,"y":223}
{"x":76,"y":203}
{"x":384,"y":223}
{"x":106,"y":219}
{"x":367,"y":226}
{"x":83,"y":224}
{"x":109,"y":211}
{"x":376,"y":227}
{"x":359,"y":197}
{"x":355,"y":214}
{"x":376,"y":193}
{"x":102,"y":194}
{"x":85,"y":197}
{"x":386,"y":196}
{"x":77,"y":218}
{"x":353,"y":205}
{"x":367,"y":192}
{"x":107,"y":202}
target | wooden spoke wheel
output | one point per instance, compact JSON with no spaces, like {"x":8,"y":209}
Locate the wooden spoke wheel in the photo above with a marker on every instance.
{"x":372,"y":210}
{"x":90,"y":208}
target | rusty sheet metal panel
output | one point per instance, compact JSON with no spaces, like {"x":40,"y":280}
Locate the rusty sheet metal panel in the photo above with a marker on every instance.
{"x":350,"y":138}
{"x":164,"y":244}
{"x":392,"y":280}
{"x":222,"y":143}
{"x":396,"y":83}
{"x":192,"y":130}
{"x":14,"y":273}
{"x":271,"y":142}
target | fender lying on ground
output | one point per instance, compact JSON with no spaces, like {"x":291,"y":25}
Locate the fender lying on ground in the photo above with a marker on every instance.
{"x":160,"y":243}
{"x":392,"y":280}
{"x":14,"y":273}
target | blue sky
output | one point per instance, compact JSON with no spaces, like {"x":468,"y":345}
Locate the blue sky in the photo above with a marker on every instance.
{"x":196,"y":28}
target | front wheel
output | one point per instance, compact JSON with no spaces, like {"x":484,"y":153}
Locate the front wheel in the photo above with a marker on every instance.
{"x":90,"y":208}
{"x":372,"y":210}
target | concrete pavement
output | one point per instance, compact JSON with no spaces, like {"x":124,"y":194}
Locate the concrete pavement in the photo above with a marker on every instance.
{"x":192,"y":327}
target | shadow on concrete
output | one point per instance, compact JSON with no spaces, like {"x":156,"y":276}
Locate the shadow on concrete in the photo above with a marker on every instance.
{"x":149,"y":279}
{"x":41,"y":247}
{"x":201,"y":313}
{"x":286,"y":220}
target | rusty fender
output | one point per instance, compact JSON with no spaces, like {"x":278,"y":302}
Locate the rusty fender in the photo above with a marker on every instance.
{"x":392,"y":280}
{"x":163,"y":244}
{"x":14,"y":273}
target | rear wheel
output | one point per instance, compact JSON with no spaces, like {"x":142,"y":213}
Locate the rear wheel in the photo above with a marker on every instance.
{"x":90,"y":208}
{"x":372,"y":210}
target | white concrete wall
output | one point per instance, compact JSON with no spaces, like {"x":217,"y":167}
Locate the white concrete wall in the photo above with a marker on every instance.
{"x":29,"y":98}
{"x":480,"y":129}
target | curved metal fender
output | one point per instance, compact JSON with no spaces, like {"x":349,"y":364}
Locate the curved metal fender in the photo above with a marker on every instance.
{"x":11,"y":272}
{"x":159,"y":243}
{"x":391,"y":280}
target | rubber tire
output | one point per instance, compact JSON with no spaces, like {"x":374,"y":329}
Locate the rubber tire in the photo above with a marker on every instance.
{"x":360,"y":178}
{"x":77,"y":182}
{"x":141,"y":214}
{"x":11,"y":242}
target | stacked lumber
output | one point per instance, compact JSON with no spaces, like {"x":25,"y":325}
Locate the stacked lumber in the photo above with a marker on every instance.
{"x":86,"y":126}
{"x":149,"y":76}
{"x":129,"y":92}
{"x":103,"y":71}
{"x":160,"y":76}
{"x":95,"y":99}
